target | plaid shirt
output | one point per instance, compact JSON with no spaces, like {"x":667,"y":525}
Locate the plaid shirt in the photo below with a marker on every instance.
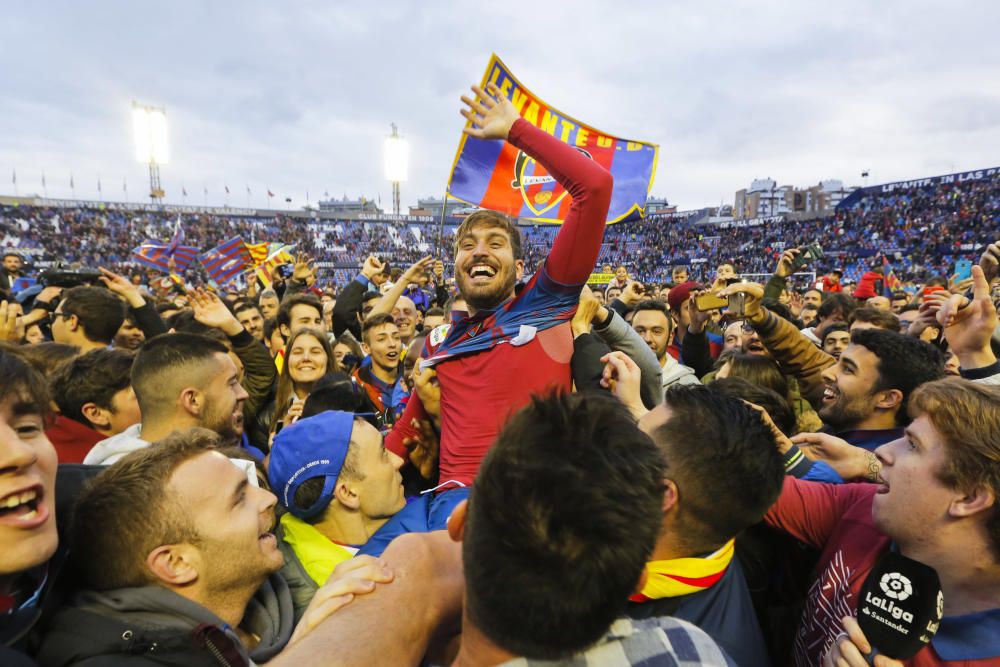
{"x":649,"y":642}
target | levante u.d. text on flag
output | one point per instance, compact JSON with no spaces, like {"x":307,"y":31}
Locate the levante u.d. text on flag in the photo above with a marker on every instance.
{"x":498,"y":176}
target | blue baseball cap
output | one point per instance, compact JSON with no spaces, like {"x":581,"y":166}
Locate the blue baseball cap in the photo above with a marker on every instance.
{"x":312,"y":447}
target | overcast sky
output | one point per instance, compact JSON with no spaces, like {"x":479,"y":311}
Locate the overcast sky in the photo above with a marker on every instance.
{"x":299,"y":95}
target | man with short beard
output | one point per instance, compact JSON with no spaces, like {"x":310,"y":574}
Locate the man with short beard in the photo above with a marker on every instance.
{"x":180,"y":380}
{"x":511,"y":345}
{"x":861,"y":397}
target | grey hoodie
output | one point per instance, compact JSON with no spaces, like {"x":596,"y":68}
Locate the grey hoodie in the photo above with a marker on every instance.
{"x":152,"y":625}
{"x":111,"y":449}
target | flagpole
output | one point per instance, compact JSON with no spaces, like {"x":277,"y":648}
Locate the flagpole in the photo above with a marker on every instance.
{"x":16,"y":193}
{"x":204,"y":190}
{"x":45,"y":187}
{"x":444,"y":206}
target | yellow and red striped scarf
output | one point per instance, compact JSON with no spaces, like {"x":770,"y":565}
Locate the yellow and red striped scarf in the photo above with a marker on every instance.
{"x":683,"y":576}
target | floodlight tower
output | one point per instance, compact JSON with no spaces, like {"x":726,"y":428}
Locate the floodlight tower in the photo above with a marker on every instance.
{"x":396,"y":158}
{"x":150,"y":125}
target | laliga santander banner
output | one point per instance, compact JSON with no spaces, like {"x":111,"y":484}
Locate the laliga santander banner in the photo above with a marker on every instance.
{"x":498,"y":176}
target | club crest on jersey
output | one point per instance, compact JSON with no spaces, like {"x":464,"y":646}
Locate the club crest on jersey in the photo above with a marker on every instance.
{"x":439,"y":333}
{"x":539,"y":189}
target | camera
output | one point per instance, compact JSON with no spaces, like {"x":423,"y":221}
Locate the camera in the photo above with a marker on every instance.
{"x":66,"y":277}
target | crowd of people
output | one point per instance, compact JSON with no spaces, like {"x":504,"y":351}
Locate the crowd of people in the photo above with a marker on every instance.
{"x":921,"y":230}
{"x":484,"y":461}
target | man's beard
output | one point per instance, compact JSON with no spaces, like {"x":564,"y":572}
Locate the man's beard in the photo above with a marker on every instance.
{"x":487,"y":297}
{"x":227,"y":427}
{"x":843,"y":414}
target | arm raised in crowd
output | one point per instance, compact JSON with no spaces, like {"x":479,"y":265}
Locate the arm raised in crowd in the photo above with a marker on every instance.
{"x":618,"y":335}
{"x":576,"y":246}
{"x":697,"y":351}
{"x":259,"y":373}
{"x":388,"y":301}
{"x":146,"y":317}
{"x":303,"y":276}
{"x":796,"y":354}
{"x":348,"y":306}
{"x":968,"y":327}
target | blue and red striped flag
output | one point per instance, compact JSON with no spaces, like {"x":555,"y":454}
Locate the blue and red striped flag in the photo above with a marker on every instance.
{"x":157,"y":255}
{"x":227,"y":260}
{"x":892,"y":282}
{"x":498,"y":176}
{"x":154,"y":255}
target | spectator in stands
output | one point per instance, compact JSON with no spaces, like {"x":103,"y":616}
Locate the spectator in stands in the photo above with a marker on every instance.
{"x":934,"y":501}
{"x":871,"y":281}
{"x":870,"y":317}
{"x":88,"y":317}
{"x":268,"y":304}
{"x":251,"y":318}
{"x":836,"y":338}
{"x":181,"y":381}
{"x":129,"y":335}
{"x":28,"y":538}
{"x":299,"y":311}
{"x":308,"y":357}
{"x":340,"y":485}
{"x":379,"y":373}
{"x":831,"y":281}
{"x":724,"y":472}
{"x":652,"y":322}
{"x":95,"y":399}
{"x":621,"y":278}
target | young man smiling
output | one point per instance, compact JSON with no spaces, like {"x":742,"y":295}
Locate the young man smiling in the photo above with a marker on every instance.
{"x":509,"y":345}
{"x":379,"y":374}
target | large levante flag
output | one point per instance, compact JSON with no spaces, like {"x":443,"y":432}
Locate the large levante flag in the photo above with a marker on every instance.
{"x":498,"y":176}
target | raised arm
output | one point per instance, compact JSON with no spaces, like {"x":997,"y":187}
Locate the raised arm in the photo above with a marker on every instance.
{"x":576,"y":247}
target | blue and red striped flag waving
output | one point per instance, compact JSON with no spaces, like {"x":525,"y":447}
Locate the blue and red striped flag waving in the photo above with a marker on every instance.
{"x":227,"y":260}
{"x":157,"y":255}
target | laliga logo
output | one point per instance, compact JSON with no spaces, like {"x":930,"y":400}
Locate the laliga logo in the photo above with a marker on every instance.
{"x":896,"y":586}
{"x":538,"y":199}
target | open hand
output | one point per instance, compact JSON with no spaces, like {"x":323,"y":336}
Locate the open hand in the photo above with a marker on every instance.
{"x":122,"y":286}
{"x":417,"y":269}
{"x":490,"y":114}
{"x":210,"y":310}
